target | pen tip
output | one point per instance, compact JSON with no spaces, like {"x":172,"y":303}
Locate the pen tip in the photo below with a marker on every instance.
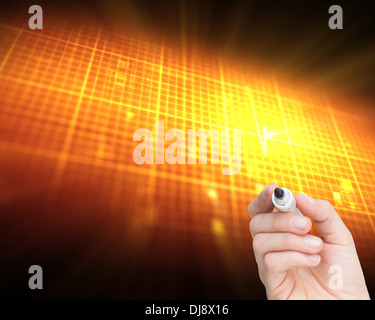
{"x":279,"y":193}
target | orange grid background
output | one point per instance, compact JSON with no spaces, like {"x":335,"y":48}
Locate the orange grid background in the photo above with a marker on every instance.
{"x":73,"y":95}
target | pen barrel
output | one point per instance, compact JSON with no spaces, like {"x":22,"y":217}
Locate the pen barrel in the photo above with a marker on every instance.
{"x":296,"y":211}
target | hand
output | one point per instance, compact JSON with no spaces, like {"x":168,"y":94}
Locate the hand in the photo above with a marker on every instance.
{"x":295,"y":265}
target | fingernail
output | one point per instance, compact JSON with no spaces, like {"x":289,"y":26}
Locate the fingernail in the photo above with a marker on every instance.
{"x":312,"y":242}
{"x":299,"y":222}
{"x":314,"y":257}
{"x":308,"y":199}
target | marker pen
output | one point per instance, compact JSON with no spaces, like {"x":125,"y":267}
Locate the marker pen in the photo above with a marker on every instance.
{"x":284,"y":201}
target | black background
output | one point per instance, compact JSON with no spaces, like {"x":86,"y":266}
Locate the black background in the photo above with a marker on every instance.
{"x":291,"y":36}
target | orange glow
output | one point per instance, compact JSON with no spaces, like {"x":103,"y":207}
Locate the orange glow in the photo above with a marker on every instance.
{"x":72,"y":97}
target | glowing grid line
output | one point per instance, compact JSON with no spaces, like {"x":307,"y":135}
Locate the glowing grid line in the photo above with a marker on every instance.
{"x":205,"y":101}
{"x":99,"y":99}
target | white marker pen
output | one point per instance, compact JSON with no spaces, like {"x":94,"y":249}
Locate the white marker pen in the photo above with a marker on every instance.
{"x":284,"y":201}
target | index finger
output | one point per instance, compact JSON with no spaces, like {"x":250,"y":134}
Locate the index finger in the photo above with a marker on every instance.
{"x":263,"y":202}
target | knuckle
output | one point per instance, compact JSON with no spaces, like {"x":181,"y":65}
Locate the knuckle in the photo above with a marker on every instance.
{"x":348,"y":235}
{"x":258,"y":242}
{"x":268,"y":262}
{"x":253,"y":225}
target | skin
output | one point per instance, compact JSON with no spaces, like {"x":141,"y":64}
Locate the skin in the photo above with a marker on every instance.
{"x":293,"y":264}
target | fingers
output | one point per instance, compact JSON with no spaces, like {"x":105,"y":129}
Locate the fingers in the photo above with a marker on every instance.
{"x":279,"y":222}
{"x":264,"y":243}
{"x":280,"y":236}
{"x":282,"y":232}
{"x":282,"y":261}
{"x":262,"y":203}
{"x":332,"y":228}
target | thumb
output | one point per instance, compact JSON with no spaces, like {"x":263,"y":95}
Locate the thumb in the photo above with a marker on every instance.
{"x":332,"y":228}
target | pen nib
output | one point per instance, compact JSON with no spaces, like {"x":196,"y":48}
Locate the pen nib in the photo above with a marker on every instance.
{"x":279,"y":193}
